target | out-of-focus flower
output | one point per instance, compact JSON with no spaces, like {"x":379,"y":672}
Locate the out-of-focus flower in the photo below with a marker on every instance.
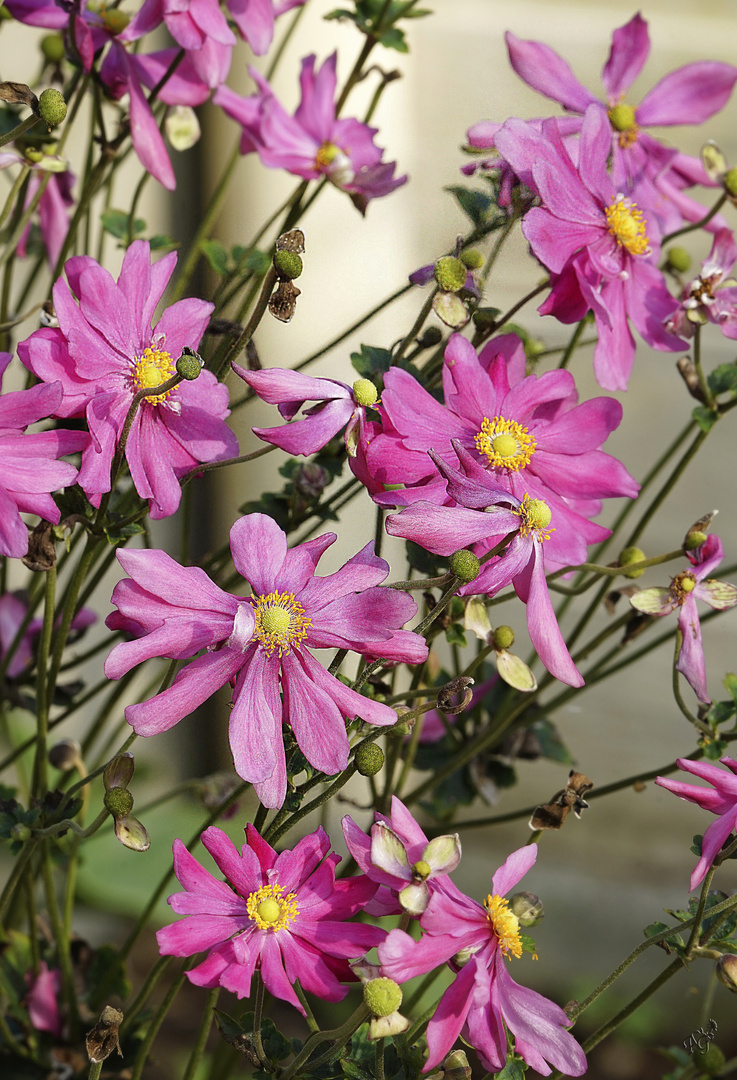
{"x":42,"y":999}
{"x":339,"y":406}
{"x":182,"y":127}
{"x":398,"y":855}
{"x":681,"y":595}
{"x":283,"y":915}
{"x":528,"y":432}
{"x":13,"y":610}
{"x":313,"y":143}
{"x":55,"y":199}
{"x":198,"y":26}
{"x":722,"y":801}
{"x":104,"y":351}
{"x":262,"y":642}
{"x":712,"y":296}
{"x":479,"y":941}
{"x":598,"y":243}
{"x":483,"y":516}
{"x":29,"y":462}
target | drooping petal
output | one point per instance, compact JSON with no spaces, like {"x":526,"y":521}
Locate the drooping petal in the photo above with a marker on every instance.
{"x":545,"y":71}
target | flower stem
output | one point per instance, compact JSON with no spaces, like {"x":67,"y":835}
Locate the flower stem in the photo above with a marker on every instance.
{"x":22,"y":128}
{"x":40,"y":766}
{"x":155,"y":1024}
{"x":199,"y":1047}
{"x":338,"y":1036}
{"x":696,"y":224}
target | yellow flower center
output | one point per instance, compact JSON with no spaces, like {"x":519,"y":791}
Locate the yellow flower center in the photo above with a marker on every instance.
{"x":326,"y":155}
{"x":535,"y":516}
{"x":683,"y":584}
{"x":269,"y":909}
{"x":152,"y":368}
{"x":113,"y":19}
{"x":627,"y":226}
{"x":622,"y":119}
{"x":505,"y":925}
{"x":421,"y":870}
{"x":281,"y":622}
{"x":505,"y":443}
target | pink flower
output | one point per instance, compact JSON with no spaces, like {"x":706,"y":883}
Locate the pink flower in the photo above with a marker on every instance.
{"x":721,"y":801}
{"x":29,"y":465}
{"x":712,"y":296}
{"x":13,"y":610}
{"x":261,"y":641}
{"x":104,"y":351}
{"x":399,"y":856}
{"x":198,"y":26}
{"x":255,"y":20}
{"x":479,"y":942}
{"x":483,"y":515}
{"x":53,"y":204}
{"x":684,"y":590}
{"x":529,"y":433}
{"x":599,"y":246}
{"x":42,"y":999}
{"x":689,"y":95}
{"x":281,"y":914}
{"x":313,"y":143}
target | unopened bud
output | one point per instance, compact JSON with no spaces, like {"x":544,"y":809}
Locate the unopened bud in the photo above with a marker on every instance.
{"x":678,"y":259}
{"x":119,"y":772}
{"x":450,"y":273}
{"x":730,"y":181}
{"x":713,"y":160}
{"x":433,"y":335}
{"x":118,"y":801}
{"x":311,"y":480}
{"x":631,"y":555}
{"x":369,"y":759}
{"x":131,"y":834}
{"x":52,"y":46}
{"x":456,"y":1067}
{"x":527,"y":907}
{"x":465,"y":565}
{"x":472,"y":258}
{"x":182,"y":127}
{"x":503,"y":637}
{"x":726,"y":971}
{"x":711,"y":1061}
{"x":287,"y":264}
{"x":190,"y":364}
{"x":383,"y":996}
{"x":52,"y":108}
{"x":103,"y":1038}
{"x":20,"y":832}
{"x":66,"y":755}
{"x":365,"y":392}
{"x":114,"y":20}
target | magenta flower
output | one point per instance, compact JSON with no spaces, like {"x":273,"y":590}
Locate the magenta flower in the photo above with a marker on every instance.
{"x":255,"y":19}
{"x":721,"y":801}
{"x":261,"y":641}
{"x":313,"y":143}
{"x":689,"y":95}
{"x":29,"y":465}
{"x":198,"y":26}
{"x":483,"y":516}
{"x":684,"y":590}
{"x":104,"y":351}
{"x":484,"y":998}
{"x":399,"y":856}
{"x":42,"y":999}
{"x":13,"y":610}
{"x":599,"y":246}
{"x":283,"y":915}
{"x":527,"y":431}
{"x":339,"y":406}
{"x":55,"y":200}
{"x":712,"y":296}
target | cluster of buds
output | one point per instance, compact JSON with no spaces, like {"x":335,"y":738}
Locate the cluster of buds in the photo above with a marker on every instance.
{"x":512,"y":669}
{"x":457,"y":288}
{"x":119,"y":802}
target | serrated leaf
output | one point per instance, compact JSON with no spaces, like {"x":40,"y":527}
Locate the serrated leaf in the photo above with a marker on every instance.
{"x":513,"y":1070}
{"x":472,"y":201}
{"x":216,"y":254}
{"x":394,"y":38}
{"x":454,"y":635}
{"x":705,"y":418}
{"x":115,"y":222}
{"x":371,"y":362}
{"x":723,"y":379}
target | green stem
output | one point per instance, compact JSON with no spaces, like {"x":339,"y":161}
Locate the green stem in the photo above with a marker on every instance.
{"x":693,"y":940}
{"x":155,"y":1024}
{"x":696,"y":224}
{"x":201,"y":1041}
{"x":258,"y":1013}
{"x":572,"y":344}
{"x":152,"y":980}
{"x":60,"y":938}
{"x":43,"y":697}
{"x":22,"y":128}
{"x":338,"y":1036}
{"x":415,"y":328}
{"x":305,"y":811}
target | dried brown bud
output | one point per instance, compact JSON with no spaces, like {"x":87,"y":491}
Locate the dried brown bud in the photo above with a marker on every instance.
{"x":41,"y":548}
{"x":103,"y":1038}
{"x":284,"y":301}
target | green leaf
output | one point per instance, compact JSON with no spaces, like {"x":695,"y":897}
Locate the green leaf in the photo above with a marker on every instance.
{"x":528,"y":943}
{"x":394,"y":38}
{"x":106,"y":978}
{"x":162,"y":242}
{"x":426,"y":563}
{"x":513,"y":1070}
{"x":723,"y":380}
{"x":216,"y":254}
{"x":730,"y":685}
{"x":720,"y":712}
{"x":372,"y":363}
{"x":705,"y":418}
{"x":551,"y":744}
{"x":473,"y":202}
{"x":713,"y":748}
{"x":115,"y":222}
{"x":454,"y":635}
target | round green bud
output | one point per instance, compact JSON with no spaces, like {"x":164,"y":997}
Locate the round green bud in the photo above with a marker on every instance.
{"x":527,"y":907}
{"x":622,"y":117}
{"x":369,"y":759}
{"x":20,"y":832}
{"x":66,"y":755}
{"x":52,"y":46}
{"x":288,"y":264}
{"x":632,"y":555}
{"x":33,"y":155}
{"x":730,"y":181}
{"x":433,"y":335}
{"x":115,"y":20}
{"x":472,"y":258}
{"x":365,"y":392}
{"x":118,"y":801}
{"x":464,"y":565}
{"x":503,"y":637}
{"x":450,"y":274}
{"x":711,"y":1061}
{"x":52,"y":108}
{"x":383,"y":996}
{"x":678,"y":259}
{"x":726,"y":971}
{"x":694,"y":540}
{"x":189,"y":365}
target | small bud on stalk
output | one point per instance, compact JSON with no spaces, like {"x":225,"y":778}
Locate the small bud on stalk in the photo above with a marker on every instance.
{"x":52,"y":108}
{"x":190,"y":364}
{"x":369,"y":759}
{"x":631,"y":555}
{"x":465,"y":565}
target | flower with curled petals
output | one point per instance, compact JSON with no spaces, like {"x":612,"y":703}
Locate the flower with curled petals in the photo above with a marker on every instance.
{"x":262,"y":643}
{"x":283,"y":915}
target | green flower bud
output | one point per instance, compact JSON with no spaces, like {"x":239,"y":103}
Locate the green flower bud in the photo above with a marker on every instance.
{"x":52,"y":108}
{"x":118,"y":801}
{"x":52,"y":46}
{"x":33,"y":155}
{"x":456,"y":1067}
{"x":730,"y":181}
{"x":533,"y":347}
{"x":694,"y":540}
{"x":503,"y":637}
{"x":726,"y":971}
{"x":131,"y":834}
{"x":119,"y":772}
{"x":485,"y":317}
{"x":369,"y":759}
{"x":713,"y":160}
{"x":365,"y":392}
{"x":464,"y":565}
{"x":433,"y":335}
{"x":66,"y":755}
{"x":421,"y":870}
{"x":450,"y":273}
{"x":678,"y":259}
{"x":287,"y":264}
{"x":190,"y":364}
{"x":622,"y":117}
{"x":115,"y":20}
{"x":527,"y":907}
{"x":383,"y":996}
{"x":472,"y":258}
{"x":632,"y":555}
{"x":20,"y":832}
{"x":711,"y":1061}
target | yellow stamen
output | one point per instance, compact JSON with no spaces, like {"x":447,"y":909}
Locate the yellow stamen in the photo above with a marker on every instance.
{"x":627,"y":226}
{"x":152,"y":368}
{"x":682,"y":584}
{"x":281,"y":622}
{"x":505,"y":443}
{"x":505,"y":925}
{"x":269,"y":909}
{"x":535,"y":516}
{"x":326,"y":155}
{"x":622,"y":119}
